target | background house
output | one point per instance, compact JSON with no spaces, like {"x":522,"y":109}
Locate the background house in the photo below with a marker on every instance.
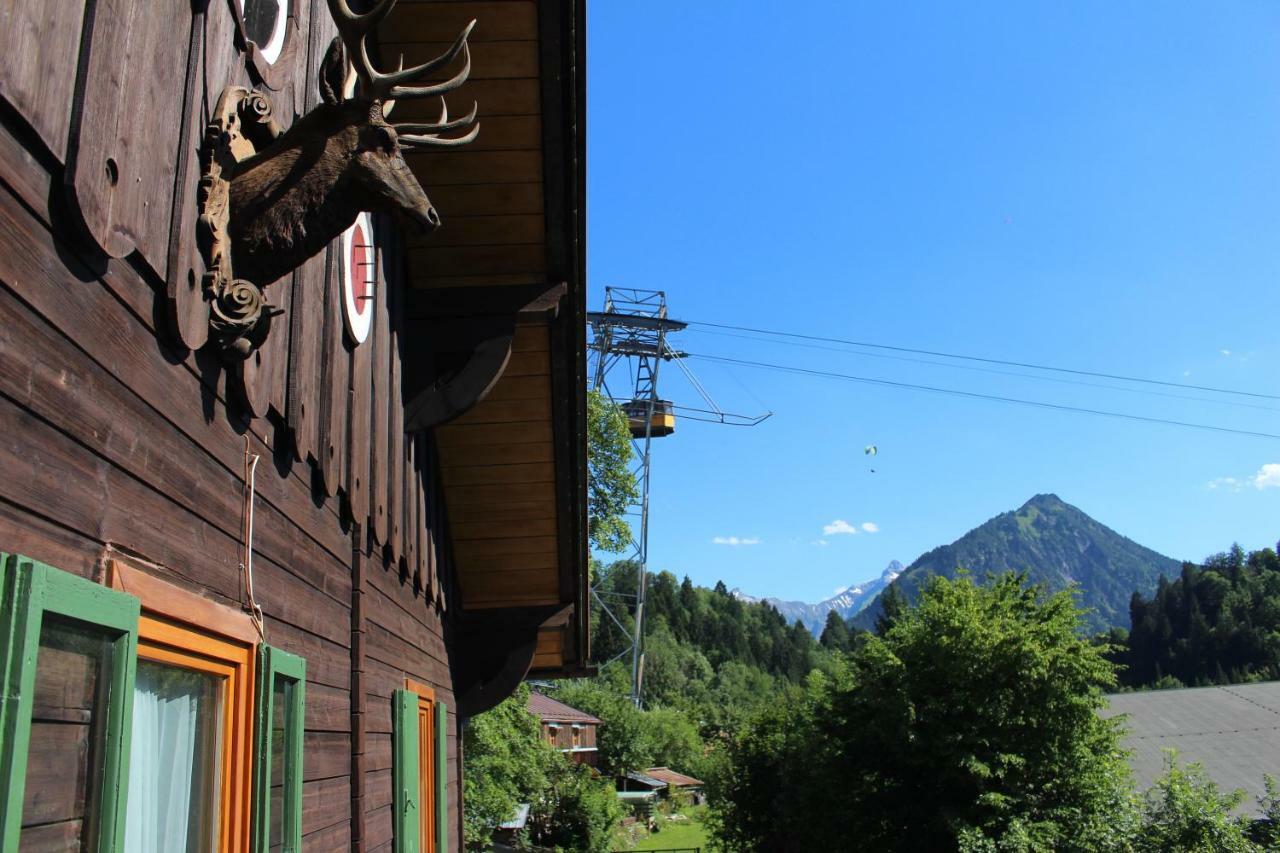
{"x":567,"y":729}
{"x":1232,"y":730}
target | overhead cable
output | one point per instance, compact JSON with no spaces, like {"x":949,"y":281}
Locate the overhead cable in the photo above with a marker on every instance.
{"x":996,"y":372}
{"x":976,"y":395}
{"x":1006,"y":363}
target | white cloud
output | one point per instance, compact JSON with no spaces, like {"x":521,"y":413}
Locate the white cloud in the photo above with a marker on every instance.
{"x":1226,"y":353}
{"x":1186,"y":373}
{"x":821,"y":542}
{"x":870,"y":527}
{"x":735,"y":540}
{"x":1268,"y":476}
{"x":839,"y":527}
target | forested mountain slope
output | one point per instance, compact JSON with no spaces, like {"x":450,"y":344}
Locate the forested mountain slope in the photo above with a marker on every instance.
{"x":1218,"y":623}
{"x":1057,"y":545}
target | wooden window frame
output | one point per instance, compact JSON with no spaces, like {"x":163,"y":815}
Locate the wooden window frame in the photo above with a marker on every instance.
{"x":183,"y":629}
{"x":420,"y":772}
{"x":276,"y":664}
{"x":29,"y":590}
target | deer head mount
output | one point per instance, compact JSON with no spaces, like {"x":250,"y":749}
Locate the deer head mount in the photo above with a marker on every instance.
{"x":269,"y":200}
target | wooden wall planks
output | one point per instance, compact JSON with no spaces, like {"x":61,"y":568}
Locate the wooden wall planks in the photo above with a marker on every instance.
{"x":115,"y":433}
{"x":383,"y":399}
{"x":124,"y":137}
{"x":41,"y":46}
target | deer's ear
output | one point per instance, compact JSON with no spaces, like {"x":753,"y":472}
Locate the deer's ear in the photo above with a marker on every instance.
{"x":378,"y":137}
{"x":332,"y":69}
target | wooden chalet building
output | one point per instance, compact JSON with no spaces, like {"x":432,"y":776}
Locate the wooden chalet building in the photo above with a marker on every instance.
{"x":569,"y":730}
{"x":286,"y":493}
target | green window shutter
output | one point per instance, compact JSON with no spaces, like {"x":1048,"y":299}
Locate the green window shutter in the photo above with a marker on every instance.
{"x":277,"y":668}
{"x":406,"y":801}
{"x":29,"y":590}
{"x":442,"y":777}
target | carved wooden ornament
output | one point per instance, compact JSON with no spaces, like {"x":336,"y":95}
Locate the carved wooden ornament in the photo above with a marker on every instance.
{"x":269,"y":200}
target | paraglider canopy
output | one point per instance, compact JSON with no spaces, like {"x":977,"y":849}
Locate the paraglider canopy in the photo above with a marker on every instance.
{"x":871,"y":450}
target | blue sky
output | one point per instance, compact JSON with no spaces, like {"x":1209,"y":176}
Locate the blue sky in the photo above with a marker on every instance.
{"x":1094,"y":185}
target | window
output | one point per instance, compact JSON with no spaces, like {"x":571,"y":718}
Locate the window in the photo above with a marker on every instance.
{"x":278,"y":775}
{"x":553,"y":734}
{"x":420,"y":770}
{"x":359,"y":278}
{"x":191,"y":752}
{"x":68,"y":673}
{"x":264,"y":25}
{"x":577,"y":736}
{"x":189,"y":768}
{"x":108,"y":690}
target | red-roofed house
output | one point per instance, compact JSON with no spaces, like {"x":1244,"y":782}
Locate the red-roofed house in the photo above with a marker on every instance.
{"x":567,"y":729}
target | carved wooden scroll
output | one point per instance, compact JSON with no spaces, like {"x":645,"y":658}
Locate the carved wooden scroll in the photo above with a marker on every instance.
{"x":465,"y":348}
{"x":240,"y":316}
{"x":495,"y":652}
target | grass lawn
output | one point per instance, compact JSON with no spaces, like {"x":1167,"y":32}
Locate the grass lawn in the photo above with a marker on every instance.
{"x":678,"y":833}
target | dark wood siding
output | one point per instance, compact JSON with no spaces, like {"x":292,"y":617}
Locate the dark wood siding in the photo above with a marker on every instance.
{"x":116,"y":435}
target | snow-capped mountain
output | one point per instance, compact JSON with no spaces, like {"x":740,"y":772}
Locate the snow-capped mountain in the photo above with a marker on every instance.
{"x":846,"y":602}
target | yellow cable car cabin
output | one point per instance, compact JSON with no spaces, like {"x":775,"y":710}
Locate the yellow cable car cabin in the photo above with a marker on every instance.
{"x":662,"y":423}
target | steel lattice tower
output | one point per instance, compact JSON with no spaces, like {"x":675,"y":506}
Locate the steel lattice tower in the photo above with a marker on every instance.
{"x":633,"y":327}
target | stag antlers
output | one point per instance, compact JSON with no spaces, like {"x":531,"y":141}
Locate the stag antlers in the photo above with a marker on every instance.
{"x":385,"y":88}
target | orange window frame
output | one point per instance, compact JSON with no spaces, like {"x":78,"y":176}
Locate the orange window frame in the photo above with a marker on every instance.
{"x":224,"y":646}
{"x":426,"y":763}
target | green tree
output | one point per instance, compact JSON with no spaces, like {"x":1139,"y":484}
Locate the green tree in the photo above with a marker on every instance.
{"x":1217,"y":623}
{"x":972,"y":720}
{"x":1266,"y":831}
{"x":1186,"y":811}
{"x":622,"y":740}
{"x":674,"y":739}
{"x":507,"y":762}
{"x":577,"y":812}
{"x":611,"y":487}
{"x":835,"y":634}
{"x":892,"y":602}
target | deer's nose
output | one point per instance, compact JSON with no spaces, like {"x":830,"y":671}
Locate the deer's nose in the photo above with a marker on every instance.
{"x":428,"y":220}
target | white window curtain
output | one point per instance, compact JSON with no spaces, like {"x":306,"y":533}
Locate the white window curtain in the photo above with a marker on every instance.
{"x":174,"y":761}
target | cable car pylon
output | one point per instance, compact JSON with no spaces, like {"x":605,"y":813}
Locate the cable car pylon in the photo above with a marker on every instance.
{"x":633,"y":327}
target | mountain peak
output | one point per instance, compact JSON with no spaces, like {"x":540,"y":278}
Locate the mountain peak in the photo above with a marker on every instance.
{"x":846,"y":601}
{"x":1057,"y":545}
{"x":1047,"y":500}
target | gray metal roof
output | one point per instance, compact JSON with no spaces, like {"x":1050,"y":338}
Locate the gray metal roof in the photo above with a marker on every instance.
{"x":645,"y":779}
{"x":519,"y":820}
{"x":1234,"y":731}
